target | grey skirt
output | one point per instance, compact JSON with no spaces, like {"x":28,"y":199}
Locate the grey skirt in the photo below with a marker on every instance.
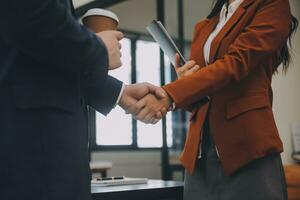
{"x":262,"y":179}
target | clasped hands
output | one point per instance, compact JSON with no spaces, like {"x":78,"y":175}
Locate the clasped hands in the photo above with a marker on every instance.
{"x":146,"y":102}
{"x":149,"y":103}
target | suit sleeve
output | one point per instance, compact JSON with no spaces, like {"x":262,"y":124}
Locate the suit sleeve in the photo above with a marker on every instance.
{"x":263,"y":37}
{"x":46,"y":31}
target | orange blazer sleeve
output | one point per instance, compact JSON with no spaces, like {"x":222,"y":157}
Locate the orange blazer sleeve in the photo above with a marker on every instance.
{"x":198,"y":26}
{"x":262,"y":38}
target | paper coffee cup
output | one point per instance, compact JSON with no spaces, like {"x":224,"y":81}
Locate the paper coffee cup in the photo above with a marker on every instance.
{"x":98,"y":20}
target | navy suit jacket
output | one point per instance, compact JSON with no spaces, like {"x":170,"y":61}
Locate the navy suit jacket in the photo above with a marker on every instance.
{"x":50,"y":69}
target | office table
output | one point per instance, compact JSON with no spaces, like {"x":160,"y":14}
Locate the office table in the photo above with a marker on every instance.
{"x":153,"y":190}
{"x":292,"y":173}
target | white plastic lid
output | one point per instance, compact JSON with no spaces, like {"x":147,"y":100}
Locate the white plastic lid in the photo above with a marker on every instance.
{"x":101,"y":12}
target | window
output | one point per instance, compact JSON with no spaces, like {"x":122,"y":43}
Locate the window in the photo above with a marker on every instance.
{"x":148,"y":70}
{"x":118,"y":130}
{"x":108,"y":128}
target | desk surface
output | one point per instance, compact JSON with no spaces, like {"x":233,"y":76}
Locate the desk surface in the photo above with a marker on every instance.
{"x":154,"y":189}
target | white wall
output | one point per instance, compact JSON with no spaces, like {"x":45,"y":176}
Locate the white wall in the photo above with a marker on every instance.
{"x":78,"y":3}
{"x":136,"y":15}
{"x":132,"y":163}
{"x":287,"y":94}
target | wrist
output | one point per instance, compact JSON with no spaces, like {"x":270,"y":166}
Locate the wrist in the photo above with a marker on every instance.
{"x":127,"y":99}
{"x":122,"y":101}
{"x":168,"y":102}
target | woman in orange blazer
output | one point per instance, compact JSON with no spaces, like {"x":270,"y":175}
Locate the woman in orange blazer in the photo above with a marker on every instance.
{"x":232,"y":151}
{"x":238,"y":48}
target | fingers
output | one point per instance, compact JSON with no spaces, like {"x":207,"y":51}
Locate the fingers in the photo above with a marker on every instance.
{"x":161,"y":113}
{"x":164,"y":111}
{"x":111,"y":40}
{"x":150,"y":105}
{"x":195,"y":68}
{"x":148,"y":110}
{"x":115,"y":34}
{"x":192,"y":70}
{"x":144,"y":115}
{"x":149,"y":118}
{"x":142,"y":110}
{"x":190,"y":64}
{"x":136,"y":108}
{"x":158,"y":91}
{"x":152,"y":118}
{"x":158,"y":116}
{"x":185,"y":69}
{"x":119,"y":35}
{"x":154,"y":121}
{"x":177,"y":61}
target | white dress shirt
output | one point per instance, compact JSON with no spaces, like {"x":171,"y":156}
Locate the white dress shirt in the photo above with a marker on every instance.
{"x":225,"y":15}
{"x":120,"y":94}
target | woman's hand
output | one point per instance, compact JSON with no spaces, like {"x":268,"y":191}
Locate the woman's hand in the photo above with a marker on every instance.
{"x":189,"y":68}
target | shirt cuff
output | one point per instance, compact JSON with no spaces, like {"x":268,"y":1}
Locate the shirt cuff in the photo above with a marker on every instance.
{"x":173,"y":106}
{"x":120,"y":94}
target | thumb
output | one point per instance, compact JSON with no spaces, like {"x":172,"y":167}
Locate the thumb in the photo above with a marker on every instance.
{"x":119,"y":35}
{"x":158,"y":91}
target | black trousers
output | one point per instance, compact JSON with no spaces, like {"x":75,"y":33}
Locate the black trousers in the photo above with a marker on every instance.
{"x":262,"y":179}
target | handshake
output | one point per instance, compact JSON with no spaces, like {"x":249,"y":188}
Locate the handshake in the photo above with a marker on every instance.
{"x":146,"y":102}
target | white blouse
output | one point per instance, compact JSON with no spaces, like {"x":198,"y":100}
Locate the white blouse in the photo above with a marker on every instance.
{"x":225,"y":15}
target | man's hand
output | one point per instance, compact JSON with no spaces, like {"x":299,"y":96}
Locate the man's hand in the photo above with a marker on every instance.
{"x":111,"y":40}
{"x":133,"y":93}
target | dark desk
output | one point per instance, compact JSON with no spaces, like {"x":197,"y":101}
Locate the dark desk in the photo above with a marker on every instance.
{"x":154,"y":190}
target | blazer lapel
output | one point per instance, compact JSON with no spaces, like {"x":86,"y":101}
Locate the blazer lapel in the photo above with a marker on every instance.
{"x":209,"y":27}
{"x":228,"y":26}
{"x":247,"y":3}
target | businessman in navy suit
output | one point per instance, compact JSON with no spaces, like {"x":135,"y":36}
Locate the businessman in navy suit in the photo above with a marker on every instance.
{"x":51,"y":68}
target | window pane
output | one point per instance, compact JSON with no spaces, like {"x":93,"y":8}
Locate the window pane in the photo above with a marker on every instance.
{"x":116,"y":128}
{"x":169,"y":116}
{"x":148,"y":70}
